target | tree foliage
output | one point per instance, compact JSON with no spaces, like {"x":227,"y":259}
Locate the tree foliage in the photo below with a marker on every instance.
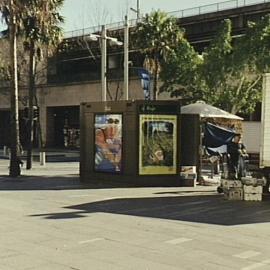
{"x":229,"y":71}
{"x":40,"y":27}
{"x":156,"y":36}
{"x":37,"y":23}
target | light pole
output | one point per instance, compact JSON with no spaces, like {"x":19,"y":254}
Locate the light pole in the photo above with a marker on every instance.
{"x":137,"y":11}
{"x":104,"y":39}
{"x":103,"y":63}
{"x":114,"y":41}
{"x":126,"y":60}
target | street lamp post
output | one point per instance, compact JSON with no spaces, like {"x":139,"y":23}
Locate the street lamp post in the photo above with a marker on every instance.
{"x":104,"y":38}
{"x":137,"y":11}
{"x":103,"y":64}
{"x":126,"y":60}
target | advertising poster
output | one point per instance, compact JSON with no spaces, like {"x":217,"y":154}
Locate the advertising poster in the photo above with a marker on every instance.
{"x":108,"y":142}
{"x":157,"y":153}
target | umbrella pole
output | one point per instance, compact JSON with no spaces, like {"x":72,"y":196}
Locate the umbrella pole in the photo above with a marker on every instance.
{"x":199,"y":169}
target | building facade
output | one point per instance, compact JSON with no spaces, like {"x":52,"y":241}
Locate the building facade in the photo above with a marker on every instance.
{"x":72,"y":75}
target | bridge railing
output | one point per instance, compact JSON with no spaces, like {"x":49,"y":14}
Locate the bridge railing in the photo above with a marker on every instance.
{"x":231,"y":4}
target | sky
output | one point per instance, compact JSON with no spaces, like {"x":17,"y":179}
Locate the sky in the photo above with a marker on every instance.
{"x":86,"y":13}
{"x":81,"y":14}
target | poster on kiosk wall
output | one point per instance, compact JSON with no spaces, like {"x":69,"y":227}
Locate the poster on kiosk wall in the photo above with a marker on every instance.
{"x":157,"y":144}
{"x":108,"y":143}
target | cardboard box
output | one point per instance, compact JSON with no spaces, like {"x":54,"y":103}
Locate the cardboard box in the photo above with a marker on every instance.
{"x":233,"y":194}
{"x":188,"y":169}
{"x":227,"y":184}
{"x":253,"y":190}
{"x":252,"y":196}
{"x":249,"y":181}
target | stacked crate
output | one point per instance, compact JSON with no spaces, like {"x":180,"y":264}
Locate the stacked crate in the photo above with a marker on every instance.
{"x":233,"y":189}
{"x":253,"y":188}
{"x":247,"y":189}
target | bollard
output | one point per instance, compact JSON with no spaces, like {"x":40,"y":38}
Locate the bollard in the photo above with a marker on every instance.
{"x":5,"y":151}
{"x":42,"y":158}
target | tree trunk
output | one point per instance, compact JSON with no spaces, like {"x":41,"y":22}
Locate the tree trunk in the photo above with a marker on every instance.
{"x":14,"y":167}
{"x":31,"y":94}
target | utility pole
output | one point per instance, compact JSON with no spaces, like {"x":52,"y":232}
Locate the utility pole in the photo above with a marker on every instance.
{"x":126,"y":60}
{"x":31,"y":95}
{"x":103,"y":37}
{"x":103,"y":64}
{"x":138,"y":10}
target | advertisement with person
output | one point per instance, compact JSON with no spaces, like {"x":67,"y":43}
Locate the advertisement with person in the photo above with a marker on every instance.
{"x":108,"y":142}
{"x":157,"y":148}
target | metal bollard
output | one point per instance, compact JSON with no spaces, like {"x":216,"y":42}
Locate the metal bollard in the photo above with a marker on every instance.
{"x":42,"y":158}
{"x":5,"y":151}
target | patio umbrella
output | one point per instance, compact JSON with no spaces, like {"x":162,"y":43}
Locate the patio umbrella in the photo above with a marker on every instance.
{"x":207,"y":111}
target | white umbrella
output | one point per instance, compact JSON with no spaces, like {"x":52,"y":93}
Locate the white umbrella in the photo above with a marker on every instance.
{"x":205,"y":110}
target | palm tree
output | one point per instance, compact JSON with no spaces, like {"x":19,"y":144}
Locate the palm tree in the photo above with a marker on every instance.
{"x":9,"y":11}
{"x":41,"y":28}
{"x":156,"y":36}
{"x":37,"y":21}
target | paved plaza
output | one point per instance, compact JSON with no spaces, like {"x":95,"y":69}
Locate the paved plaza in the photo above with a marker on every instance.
{"x":50,"y":221}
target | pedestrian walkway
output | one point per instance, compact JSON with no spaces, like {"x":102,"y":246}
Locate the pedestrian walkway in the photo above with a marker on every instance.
{"x":51,"y":221}
{"x":52,"y":155}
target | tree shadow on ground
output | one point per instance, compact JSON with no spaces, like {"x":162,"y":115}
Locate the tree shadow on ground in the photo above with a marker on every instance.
{"x":208,"y":209}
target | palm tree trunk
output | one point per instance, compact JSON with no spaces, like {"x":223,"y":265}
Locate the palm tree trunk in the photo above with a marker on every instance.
{"x":14,"y":167}
{"x":31,"y":91}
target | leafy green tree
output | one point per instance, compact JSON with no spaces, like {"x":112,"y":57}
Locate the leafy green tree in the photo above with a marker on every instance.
{"x":180,"y":72}
{"x":156,"y":35}
{"x":227,"y":74}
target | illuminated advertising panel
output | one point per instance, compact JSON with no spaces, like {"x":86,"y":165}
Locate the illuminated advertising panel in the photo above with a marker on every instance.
{"x":157,"y":144}
{"x":108,"y":143}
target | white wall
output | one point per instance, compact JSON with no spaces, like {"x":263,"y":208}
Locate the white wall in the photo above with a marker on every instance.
{"x":252,"y":136}
{"x":265,"y":136}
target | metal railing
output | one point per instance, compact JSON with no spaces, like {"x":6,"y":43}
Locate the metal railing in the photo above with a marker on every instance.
{"x":211,"y":8}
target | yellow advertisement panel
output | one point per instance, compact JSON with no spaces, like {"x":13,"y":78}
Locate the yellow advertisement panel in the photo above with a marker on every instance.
{"x":158,"y":144}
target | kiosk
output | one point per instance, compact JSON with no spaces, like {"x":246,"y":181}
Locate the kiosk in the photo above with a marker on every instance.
{"x":131,"y":141}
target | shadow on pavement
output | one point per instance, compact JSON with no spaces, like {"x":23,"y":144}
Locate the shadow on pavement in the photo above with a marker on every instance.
{"x":209,"y":209}
{"x":63,"y":182}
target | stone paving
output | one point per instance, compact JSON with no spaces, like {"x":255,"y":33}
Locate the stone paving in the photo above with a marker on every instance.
{"x":50,"y":221}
